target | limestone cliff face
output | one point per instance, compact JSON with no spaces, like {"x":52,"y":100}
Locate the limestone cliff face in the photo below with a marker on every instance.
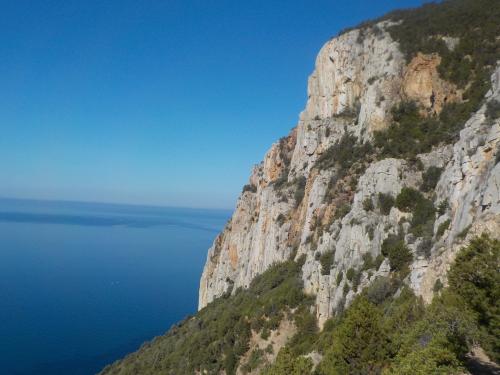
{"x":290,"y":208}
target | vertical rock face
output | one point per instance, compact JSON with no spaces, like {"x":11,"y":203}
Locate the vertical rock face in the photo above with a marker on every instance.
{"x":291,"y":207}
{"x":422,"y":84}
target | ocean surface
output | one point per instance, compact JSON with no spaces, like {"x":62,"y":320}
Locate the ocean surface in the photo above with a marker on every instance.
{"x":83,"y":284}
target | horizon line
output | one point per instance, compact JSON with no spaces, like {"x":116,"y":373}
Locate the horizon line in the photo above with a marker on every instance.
{"x":138,"y":205}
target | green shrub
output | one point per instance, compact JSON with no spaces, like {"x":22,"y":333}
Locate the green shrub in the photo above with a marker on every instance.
{"x":422,"y":209}
{"x":430,"y":178}
{"x":385,"y":202}
{"x":437,"y":342}
{"x":281,"y":181}
{"x":395,"y":249}
{"x":408,"y":199}
{"x":343,"y":154}
{"x":300,"y":186}
{"x":360,"y":342}
{"x":326,"y":261}
{"x":280,"y":219}
{"x":342,"y":210}
{"x":379,"y":290}
{"x":442,"y":228}
{"x":250,"y":188}
{"x":307,"y":331}
{"x":438,"y":285}
{"x":368,"y":262}
{"x":254,"y":361}
{"x":475,"y":278}
{"x":371,"y":232}
{"x":443,"y":207}
{"x":409,"y":135}
{"x":493,"y":109}
{"x":340,"y":276}
{"x":368,"y":204}
{"x":356,"y":280}
{"x":424,"y":215}
{"x":351,"y":272}
{"x":425,"y":246}
{"x":288,"y":364}
{"x":378,"y":261}
{"x":346,"y":289}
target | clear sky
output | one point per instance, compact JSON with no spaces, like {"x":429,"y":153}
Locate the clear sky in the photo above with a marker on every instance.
{"x":154,"y":102}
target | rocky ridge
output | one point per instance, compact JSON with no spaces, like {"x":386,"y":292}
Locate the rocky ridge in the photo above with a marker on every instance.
{"x":297,"y":203}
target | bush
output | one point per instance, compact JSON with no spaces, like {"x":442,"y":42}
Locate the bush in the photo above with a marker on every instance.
{"x":254,"y":361}
{"x":425,"y":246}
{"x":438,"y":285}
{"x":307,"y":331}
{"x":438,"y":340}
{"x":346,"y":289}
{"x":379,"y":290}
{"x":280,"y":219}
{"x":368,"y":262}
{"x":281,"y":181}
{"x":340,"y":276}
{"x":343,"y":154}
{"x":430,"y":178}
{"x":356,"y":280}
{"x":359,"y":344}
{"x":300,"y":186}
{"x":408,"y":199}
{"x":442,"y":228}
{"x":422,"y":209}
{"x":326,"y":261}
{"x":475,"y":278}
{"x":493,"y":109}
{"x":250,"y":188}
{"x":395,"y":249}
{"x":342,"y":210}
{"x":371,"y":232}
{"x":385,"y":202}
{"x":368,"y":204}
{"x":351,"y":272}
{"x":424,"y":215}
{"x":443,"y":207}
{"x":288,"y":364}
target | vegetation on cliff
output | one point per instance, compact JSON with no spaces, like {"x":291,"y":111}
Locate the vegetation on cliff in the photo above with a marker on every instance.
{"x":217,"y":336}
{"x":386,"y":329}
{"x":469,"y":64}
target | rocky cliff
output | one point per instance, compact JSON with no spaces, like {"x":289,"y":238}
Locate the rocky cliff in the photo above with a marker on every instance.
{"x":387,"y":190}
{"x":320,"y":190}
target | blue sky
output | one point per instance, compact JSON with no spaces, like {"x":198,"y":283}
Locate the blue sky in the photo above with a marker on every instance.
{"x":154,"y":102}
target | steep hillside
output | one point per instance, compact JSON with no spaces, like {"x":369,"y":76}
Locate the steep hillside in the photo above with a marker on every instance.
{"x":393,"y":167}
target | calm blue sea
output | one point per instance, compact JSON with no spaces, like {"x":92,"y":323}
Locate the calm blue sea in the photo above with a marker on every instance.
{"x":83,"y":284}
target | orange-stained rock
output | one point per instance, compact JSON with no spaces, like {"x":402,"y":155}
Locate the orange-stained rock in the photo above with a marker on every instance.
{"x":421,"y":83}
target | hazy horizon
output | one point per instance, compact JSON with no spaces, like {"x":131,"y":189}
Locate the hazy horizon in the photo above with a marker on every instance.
{"x":114,"y":203}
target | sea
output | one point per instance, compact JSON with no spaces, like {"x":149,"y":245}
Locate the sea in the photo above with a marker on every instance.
{"x":83,"y":284}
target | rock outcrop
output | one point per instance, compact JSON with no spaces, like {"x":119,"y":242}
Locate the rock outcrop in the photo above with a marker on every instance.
{"x":291,"y":207}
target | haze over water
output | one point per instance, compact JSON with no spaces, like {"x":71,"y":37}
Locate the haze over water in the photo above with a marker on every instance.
{"x":83,"y":284}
